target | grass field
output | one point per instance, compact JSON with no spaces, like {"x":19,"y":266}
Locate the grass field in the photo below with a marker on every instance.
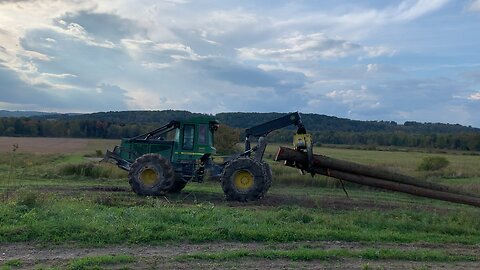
{"x":62,"y":210}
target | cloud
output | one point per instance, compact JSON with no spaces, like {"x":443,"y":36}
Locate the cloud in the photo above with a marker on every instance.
{"x":475,"y":96}
{"x":15,"y":93}
{"x":158,"y":54}
{"x":359,"y":97}
{"x":310,"y":48}
{"x":104,"y":27}
{"x":359,"y":22}
{"x":351,"y":59}
{"x":411,"y":10}
{"x":355,"y":101}
{"x":474,"y":5}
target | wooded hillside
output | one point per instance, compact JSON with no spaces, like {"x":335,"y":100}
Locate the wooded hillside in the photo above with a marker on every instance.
{"x":325,"y":129}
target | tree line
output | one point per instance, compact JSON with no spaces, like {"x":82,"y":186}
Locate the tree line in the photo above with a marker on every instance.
{"x":325,"y":129}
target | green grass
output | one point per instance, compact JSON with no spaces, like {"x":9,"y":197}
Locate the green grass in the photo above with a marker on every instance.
{"x":53,"y":199}
{"x":54,"y":220}
{"x":13,"y":263}
{"x":420,"y":255}
{"x":99,"y":262}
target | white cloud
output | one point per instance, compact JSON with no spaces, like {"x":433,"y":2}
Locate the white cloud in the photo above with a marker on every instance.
{"x":77,"y":31}
{"x":474,"y":5}
{"x":372,"y":67}
{"x":61,"y":76}
{"x":411,"y":10}
{"x":152,"y":65}
{"x":284,"y":67}
{"x":287,"y":56}
{"x":310,"y":48}
{"x":475,"y":96}
{"x":355,"y":98}
{"x":153,"y":55}
{"x":358,"y":23}
{"x":177,"y":51}
{"x":27,"y":16}
{"x":372,"y":52}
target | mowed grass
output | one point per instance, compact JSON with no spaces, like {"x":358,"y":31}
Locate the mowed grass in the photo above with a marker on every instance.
{"x":48,"y":198}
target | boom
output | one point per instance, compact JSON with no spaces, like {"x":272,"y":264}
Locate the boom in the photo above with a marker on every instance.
{"x":267,"y":127}
{"x":262,"y":130}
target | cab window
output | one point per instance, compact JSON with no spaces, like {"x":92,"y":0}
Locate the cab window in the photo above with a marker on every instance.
{"x":202,"y":134}
{"x":188,"y":135}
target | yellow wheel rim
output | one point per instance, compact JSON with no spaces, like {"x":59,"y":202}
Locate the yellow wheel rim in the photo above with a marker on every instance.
{"x":148,"y":177}
{"x":243,"y":180}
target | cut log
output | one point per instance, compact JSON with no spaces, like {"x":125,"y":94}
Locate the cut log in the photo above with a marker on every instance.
{"x":285,"y":153}
{"x":395,"y":186}
{"x":366,"y":175}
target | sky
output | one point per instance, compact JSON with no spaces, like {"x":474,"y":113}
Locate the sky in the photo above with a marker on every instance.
{"x":411,"y":60}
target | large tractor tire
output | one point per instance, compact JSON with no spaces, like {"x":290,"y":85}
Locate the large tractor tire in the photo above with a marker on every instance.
{"x":151,"y":174}
{"x":244,"y":179}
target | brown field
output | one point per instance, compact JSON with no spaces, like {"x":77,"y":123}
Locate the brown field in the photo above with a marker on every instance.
{"x":54,"y":145}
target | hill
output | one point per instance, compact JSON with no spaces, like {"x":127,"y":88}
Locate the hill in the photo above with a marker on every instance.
{"x":5,"y":113}
{"x":325,"y":129}
{"x":314,"y":122}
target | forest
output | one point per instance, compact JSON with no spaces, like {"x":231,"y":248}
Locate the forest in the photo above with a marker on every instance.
{"x":325,"y":129}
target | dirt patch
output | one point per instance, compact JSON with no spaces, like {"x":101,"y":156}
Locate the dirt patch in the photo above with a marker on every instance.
{"x":148,"y":256}
{"x":107,"y":189}
{"x":328,"y":203}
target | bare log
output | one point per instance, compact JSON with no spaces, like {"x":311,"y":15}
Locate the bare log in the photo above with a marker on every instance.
{"x":321,"y":161}
{"x":413,"y":190}
{"x":299,"y":160}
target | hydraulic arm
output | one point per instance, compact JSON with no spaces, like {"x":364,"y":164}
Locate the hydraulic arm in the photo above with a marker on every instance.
{"x":302,"y":140}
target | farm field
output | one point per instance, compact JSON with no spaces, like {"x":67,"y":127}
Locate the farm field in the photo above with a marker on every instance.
{"x":61,"y":209}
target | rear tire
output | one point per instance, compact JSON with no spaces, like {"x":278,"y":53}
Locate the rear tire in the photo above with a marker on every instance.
{"x":244,"y":179}
{"x":151,"y":174}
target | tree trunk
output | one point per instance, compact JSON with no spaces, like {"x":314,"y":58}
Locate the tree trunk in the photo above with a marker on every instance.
{"x":370,"y":176}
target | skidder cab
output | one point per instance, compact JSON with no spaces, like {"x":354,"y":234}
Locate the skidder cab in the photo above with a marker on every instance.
{"x":165,"y":159}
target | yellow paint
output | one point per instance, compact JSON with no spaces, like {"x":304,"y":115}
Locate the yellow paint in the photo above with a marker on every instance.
{"x":243,"y":180}
{"x":302,"y":141}
{"x":148,"y":177}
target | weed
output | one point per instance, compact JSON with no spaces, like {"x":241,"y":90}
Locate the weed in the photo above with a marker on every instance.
{"x":26,"y":198}
{"x":98,"y":261}
{"x":433,"y":163}
{"x":14,"y":263}
{"x":12,"y":160}
{"x":90,"y":170}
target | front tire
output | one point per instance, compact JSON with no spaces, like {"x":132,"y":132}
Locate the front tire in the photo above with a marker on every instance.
{"x":244,"y":179}
{"x":151,"y":174}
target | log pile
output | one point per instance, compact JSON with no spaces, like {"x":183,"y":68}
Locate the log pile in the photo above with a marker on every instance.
{"x":374,"y":177}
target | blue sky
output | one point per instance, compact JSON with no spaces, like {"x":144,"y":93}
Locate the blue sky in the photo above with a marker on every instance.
{"x":411,"y":60}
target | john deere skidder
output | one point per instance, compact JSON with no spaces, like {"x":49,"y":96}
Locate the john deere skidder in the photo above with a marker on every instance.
{"x":167,"y":158}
